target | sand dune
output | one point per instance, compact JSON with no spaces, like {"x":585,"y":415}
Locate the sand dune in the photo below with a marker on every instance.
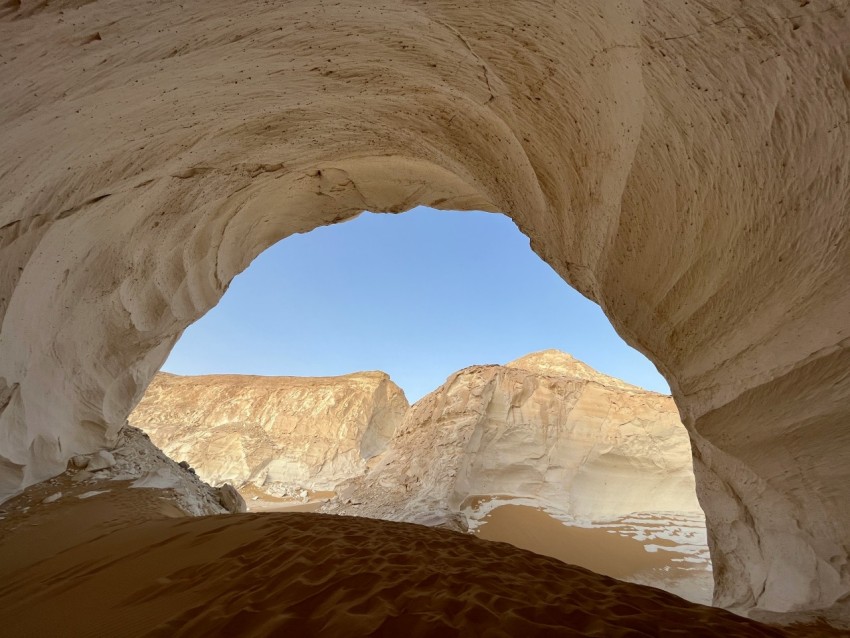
{"x":533,"y":529}
{"x":116,"y":572}
{"x":655,"y":549}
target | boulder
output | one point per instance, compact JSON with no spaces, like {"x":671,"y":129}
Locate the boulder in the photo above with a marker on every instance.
{"x":231,"y":500}
{"x":100,"y":460}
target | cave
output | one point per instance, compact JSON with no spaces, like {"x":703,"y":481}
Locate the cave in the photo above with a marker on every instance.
{"x":685,"y":167}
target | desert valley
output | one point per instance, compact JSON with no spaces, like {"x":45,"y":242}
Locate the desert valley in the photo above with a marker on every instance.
{"x":544,"y":453}
{"x":546,"y":435}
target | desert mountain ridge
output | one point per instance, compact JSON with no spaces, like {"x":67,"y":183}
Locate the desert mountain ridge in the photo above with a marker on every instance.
{"x":557,"y":363}
{"x":288,"y":433}
{"x":545,"y":426}
{"x":278,"y":432}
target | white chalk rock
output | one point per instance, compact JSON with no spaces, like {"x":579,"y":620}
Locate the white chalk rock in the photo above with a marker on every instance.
{"x":231,"y":500}
{"x":289,"y":433}
{"x":100,"y":460}
{"x":546,"y":427}
{"x":80,"y":462}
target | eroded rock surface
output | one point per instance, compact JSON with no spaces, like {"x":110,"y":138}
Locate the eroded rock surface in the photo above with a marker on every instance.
{"x":683,"y":165}
{"x":547,"y":427}
{"x":134,"y":463}
{"x":280,"y":433}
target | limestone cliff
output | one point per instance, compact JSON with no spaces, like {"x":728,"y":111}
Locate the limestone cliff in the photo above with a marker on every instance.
{"x":545,"y":426}
{"x":284,"y":432}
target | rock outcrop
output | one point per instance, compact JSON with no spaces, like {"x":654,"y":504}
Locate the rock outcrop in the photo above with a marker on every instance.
{"x":136,"y":463}
{"x":545,"y":426}
{"x":283,"y":433}
{"x":685,"y":166}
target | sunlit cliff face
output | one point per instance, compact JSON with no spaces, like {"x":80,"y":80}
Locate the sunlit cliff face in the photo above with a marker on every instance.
{"x":683,"y":166}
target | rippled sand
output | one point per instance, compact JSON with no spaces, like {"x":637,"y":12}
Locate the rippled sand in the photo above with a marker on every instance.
{"x":125,"y":563}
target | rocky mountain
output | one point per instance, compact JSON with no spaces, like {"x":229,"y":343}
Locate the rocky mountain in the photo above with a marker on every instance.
{"x":545,"y":426}
{"x":280,"y":433}
{"x":545,"y":431}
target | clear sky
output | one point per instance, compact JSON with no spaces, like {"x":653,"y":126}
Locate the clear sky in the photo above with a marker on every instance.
{"x":418,"y":295}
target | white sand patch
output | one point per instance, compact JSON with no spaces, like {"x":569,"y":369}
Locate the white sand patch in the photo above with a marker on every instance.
{"x":92,"y":493}
{"x":681,"y":536}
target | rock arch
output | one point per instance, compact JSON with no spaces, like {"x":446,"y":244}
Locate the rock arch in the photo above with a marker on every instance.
{"x":684,"y":166}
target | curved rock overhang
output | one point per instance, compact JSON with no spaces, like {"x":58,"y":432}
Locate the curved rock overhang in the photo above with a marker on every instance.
{"x":685,"y":166}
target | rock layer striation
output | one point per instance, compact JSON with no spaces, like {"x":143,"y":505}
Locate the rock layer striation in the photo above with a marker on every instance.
{"x":283,"y":433}
{"x":546,"y":427}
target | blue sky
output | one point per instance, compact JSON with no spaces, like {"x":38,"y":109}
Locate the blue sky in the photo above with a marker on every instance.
{"x":418,"y":295}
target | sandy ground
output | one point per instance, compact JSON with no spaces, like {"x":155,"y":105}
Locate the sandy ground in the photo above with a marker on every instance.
{"x":594,"y":549}
{"x":258,"y":500}
{"x":284,"y":506}
{"x":649,"y":550}
{"x":124,"y":563}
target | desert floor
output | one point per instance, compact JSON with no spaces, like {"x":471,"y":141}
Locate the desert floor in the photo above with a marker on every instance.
{"x":667,"y":550}
{"x":125,"y":562}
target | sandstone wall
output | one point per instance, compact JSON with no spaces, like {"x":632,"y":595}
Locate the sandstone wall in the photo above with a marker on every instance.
{"x":683,"y":165}
{"x":546,"y":426}
{"x":284,"y":432}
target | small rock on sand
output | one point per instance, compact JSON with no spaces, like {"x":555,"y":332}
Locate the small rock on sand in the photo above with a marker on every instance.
{"x":101,"y":460}
{"x":80,"y":462}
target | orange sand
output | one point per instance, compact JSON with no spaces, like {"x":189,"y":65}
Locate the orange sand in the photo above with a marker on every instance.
{"x":102,"y":567}
{"x":595,"y":549}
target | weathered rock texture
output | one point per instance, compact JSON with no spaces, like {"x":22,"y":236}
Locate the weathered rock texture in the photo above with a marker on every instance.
{"x":545,"y":426}
{"x":683,"y":165}
{"x":136,"y":460}
{"x":287,"y":432}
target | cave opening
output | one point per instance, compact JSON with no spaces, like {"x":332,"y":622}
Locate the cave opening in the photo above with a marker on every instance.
{"x":274,"y":391}
{"x":689,"y":177}
{"x":418,"y":295}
